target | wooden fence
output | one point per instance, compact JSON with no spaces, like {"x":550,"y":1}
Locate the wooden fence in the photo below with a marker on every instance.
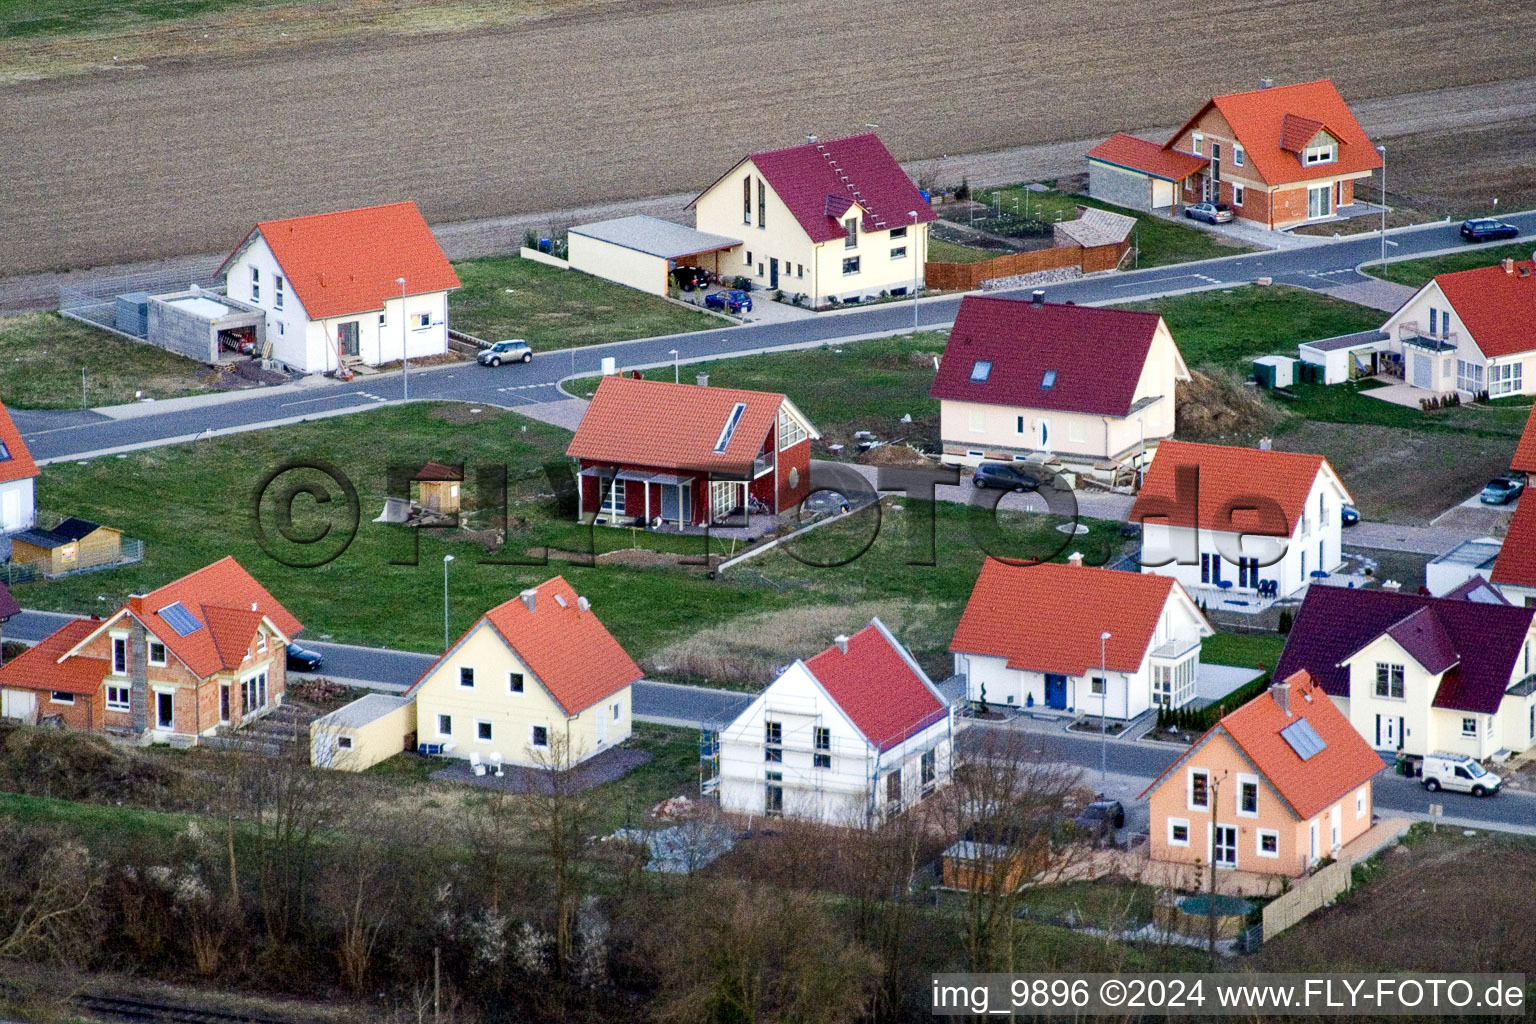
{"x":1311,"y":894}
{"x":969,"y":276}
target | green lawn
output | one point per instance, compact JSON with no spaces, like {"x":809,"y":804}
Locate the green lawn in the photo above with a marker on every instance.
{"x":1249,"y":650}
{"x":42,"y":355}
{"x":510,"y":297}
{"x":1102,"y":904}
{"x":62,"y":17}
{"x":1417,"y":272}
{"x":940,"y":251}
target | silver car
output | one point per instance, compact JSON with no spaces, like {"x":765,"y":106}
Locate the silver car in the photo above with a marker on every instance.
{"x":1211,"y":213}
{"x":514,"y":350}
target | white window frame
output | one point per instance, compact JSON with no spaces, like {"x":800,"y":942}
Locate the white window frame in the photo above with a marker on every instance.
{"x":613,"y":497}
{"x":533,"y":740}
{"x":1360,"y":802}
{"x":1197,"y":144}
{"x":517,"y":683}
{"x":466,"y":672}
{"x":1258,"y":842}
{"x":1237,"y":194}
{"x":123,"y":704}
{"x":1098,"y":686}
{"x":1252,"y":780}
{"x":484,"y":725}
{"x":1189,"y":789}
{"x":422,"y":321}
{"x":791,"y":432}
{"x":54,"y":697}
{"x":443,"y":720}
{"x":899,"y":252}
{"x":277,"y":292}
{"x":852,"y":265}
{"x":343,"y":742}
{"x":165,"y":654}
{"x":617,"y":710}
{"x":261,"y":641}
{"x":1324,"y":154}
{"x":255,"y":284}
{"x":120,"y":638}
{"x":1238,"y":157}
{"x":1472,"y":732}
{"x":1172,"y":823}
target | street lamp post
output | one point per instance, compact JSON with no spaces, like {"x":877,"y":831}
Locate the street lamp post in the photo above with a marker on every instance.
{"x":676,"y":373}
{"x":1383,"y":151}
{"x":912,"y":249}
{"x":446,"y":560}
{"x":405,"y":362}
{"x":1103,"y":702}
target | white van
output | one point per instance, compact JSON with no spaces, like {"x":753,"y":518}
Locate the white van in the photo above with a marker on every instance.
{"x":1459,"y":773}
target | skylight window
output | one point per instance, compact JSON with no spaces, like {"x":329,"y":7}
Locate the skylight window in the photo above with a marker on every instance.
{"x":731,"y":423}
{"x":5,"y":453}
{"x":1303,"y":739}
{"x":1048,"y":381}
{"x":181,"y":620}
{"x":981,"y":370}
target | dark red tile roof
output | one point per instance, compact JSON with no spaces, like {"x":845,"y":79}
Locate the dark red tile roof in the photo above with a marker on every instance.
{"x":15,"y":461}
{"x":1525,"y":452}
{"x":1424,"y":637}
{"x":1496,"y":306}
{"x":1230,"y":478}
{"x":1476,"y":589}
{"x":1098,"y":355}
{"x":1148,"y":157}
{"x":39,"y":668}
{"x":1335,"y":622}
{"x":1516,"y":564}
{"x":879,"y":687}
{"x":813,"y":179}
{"x":8,"y":605}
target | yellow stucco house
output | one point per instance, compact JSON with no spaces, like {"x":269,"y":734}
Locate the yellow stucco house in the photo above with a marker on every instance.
{"x":1091,"y":388}
{"x":830,"y":220}
{"x":538,"y":668}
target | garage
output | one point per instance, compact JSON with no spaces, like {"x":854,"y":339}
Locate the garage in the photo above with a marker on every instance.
{"x":1363,"y":354}
{"x":642,"y":252}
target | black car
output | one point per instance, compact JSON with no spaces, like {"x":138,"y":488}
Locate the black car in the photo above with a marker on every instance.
{"x":1486,"y":229}
{"x":302,"y":659}
{"x":1005,"y":477}
{"x":1101,"y":819}
{"x":1349,"y":515}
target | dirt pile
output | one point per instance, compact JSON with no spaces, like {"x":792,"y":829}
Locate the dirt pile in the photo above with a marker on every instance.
{"x":1214,"y":406}
{"x":75,"y":766}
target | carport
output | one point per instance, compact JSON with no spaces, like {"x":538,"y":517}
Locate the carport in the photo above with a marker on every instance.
{"x":1349,"y":355}
{"x":641,"y":252}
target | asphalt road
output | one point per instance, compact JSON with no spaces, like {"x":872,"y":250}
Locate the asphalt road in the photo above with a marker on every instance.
{"x":65,"y":434}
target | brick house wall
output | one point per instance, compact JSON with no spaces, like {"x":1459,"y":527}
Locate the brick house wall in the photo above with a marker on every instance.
{"x":82,"y":714}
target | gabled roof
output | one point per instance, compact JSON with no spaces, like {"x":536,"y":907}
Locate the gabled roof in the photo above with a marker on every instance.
{"x":8,"y":605}
{"x":225,"y":603}
{"x":349,"y":261}
{"x":1525,"y":452}
{"x":1270,"y":125}
{"x":1423,"y":635}
{"x":436,"y":472}
{"x":1496,"y":306}
{"x":1230,"y":478}
{"x":878,"y":685}
{"x":1259,"y":729}
{"x":1516,"y":564}
{"x":1147,"y":157}
{"x":1476,"y":589}
{"x":815,"y":179}
{"x":677,"y":426}
{"x":68,"y":531}
{"x":1048,"y":617}
{"x":1336,"y":622}
{"x":15,"y":461}
{"x":567,"y":649}
{"x":1098,"y":355}
{"x":39,"y":668}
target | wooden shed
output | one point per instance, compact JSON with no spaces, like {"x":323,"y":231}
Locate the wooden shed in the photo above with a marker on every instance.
{"x":72,"y":545}
{"x":440,"y":488}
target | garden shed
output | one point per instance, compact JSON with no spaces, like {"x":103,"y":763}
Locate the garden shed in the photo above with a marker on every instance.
{"x":363,"y":733}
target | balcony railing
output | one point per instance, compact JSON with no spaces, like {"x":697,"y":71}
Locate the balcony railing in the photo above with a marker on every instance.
{"x":1410,"y":333}
{"x":762,"y":465}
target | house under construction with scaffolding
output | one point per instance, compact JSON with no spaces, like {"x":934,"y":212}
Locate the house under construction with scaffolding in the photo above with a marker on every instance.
{"x":849,"y":737}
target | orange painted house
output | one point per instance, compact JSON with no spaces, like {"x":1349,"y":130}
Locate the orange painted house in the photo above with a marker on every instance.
{"x":1272,"y":788}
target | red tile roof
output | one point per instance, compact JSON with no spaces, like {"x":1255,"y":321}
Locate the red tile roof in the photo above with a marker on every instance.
{"x":1516,"y":564}
{"x":673,"y":426}
{"x":349,"y":261}
{"x":1525,"y":452}
{"x":1229,"y":481}
{"x":566,"y":648}
{"x":8,"y":605}
{"x":1098,"y":355}
{"x":15,"y":461}
{"x":221,"y":596}
{"x":879,"y":687}
{"x":1048,"y":617}
{"x":1497,"y":307}
{"x":436,"y":472}
{"x":1148,"y":157}
{"x":1269,"y":122}
{"x":39,"y":668}
{"x":817,"y":178}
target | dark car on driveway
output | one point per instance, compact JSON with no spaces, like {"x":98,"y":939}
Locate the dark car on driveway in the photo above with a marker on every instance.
{"x":1486,"y":229}
{"x":1501,"y":490}
{"x":302,"y":659}
{"x":1349,"y":515}
{"x":1211,"y":213}
{"x":1101,"y":819}
{"x":1004,"y":477}
{"x":733,"y":301}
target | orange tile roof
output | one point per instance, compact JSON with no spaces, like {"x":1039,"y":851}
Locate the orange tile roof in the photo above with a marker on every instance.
{"x":39,"y":668}
{"x":673,"y":426}
{"x":1308,"y":787}
{"x":1229,"y":479}
{"x":229,"y":603}
{"x":1148,"y":157}
{"x":15,"y":461}
{"x":1269,"y":122}
{"x":1516,"y":564}
{"x":568,"y":650}
{"x":1525,"y":452}
{"x":1497,"y":306}
{"x":1048,"y":617}
{"x":348,"y":261}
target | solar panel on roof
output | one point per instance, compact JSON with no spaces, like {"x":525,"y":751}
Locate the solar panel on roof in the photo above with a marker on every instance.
{"x":1303,"y":739}
{"x":181,"y":620}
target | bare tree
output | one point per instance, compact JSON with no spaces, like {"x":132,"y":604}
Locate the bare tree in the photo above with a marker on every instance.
{"x":362,"y":890}
{"x":560,"y":814}
{"x":49,"y":886}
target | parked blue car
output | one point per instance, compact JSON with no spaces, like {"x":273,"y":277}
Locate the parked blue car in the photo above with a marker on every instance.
{"x":733,"y":301}
{"x":1348,"y":515}
{"x":1501,"y":490}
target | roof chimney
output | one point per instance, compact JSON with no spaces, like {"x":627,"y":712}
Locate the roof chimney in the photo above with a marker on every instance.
{"x":703,"y":380}
{"x":583,"y":604}
{"x":253,"y":607}
{"x":530,"y":598}
{"x":1282,"y":695}
{"x":1037,"y":298}
{"x":842,"y":642}
{"x":1508,"y":264}
{"x":811,"y":140}
{"x":1075,"y":558}
{"x":1266,"y":83}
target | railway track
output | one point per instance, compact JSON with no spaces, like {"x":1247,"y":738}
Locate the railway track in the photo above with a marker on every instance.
{"x":131,"y":1008}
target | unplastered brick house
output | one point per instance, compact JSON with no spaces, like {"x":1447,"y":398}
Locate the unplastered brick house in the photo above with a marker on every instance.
{"x":172,"y":665}
{"x":1279,"y":156}
{"x":849,"y":737}
{"x":1470,"y":332}
{"x":837,"y":219}
{"x":1092,"y":389}
{"x":653,"y":452}
{"x":1237,"y":524}
{"x":330,"y":287}
{"x":1421,"y":674}
{"x":18,"y":480}
{"x":1034,"y":636}
{"x":1272,"y":788}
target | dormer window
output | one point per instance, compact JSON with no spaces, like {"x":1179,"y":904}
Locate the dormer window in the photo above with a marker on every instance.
{"x":980,"y":371}
{"x":851,"y":226}
{"x":1048,"y":381}
{"x":1325,"y":153}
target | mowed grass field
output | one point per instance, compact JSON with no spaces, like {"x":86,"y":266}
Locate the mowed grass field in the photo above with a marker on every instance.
{"x":560,"y":104}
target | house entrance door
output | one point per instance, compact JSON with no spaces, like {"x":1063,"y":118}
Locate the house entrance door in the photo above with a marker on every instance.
{"x":1319,"y":201}
{"x":165,"y":710}
{"x":1389,"y":732}
{"x":346,"y":338}
{"x":773,"y":272}
{"x":1056,"y":692}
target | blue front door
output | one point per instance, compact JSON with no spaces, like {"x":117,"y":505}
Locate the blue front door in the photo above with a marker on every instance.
{"x":1056,"y":692}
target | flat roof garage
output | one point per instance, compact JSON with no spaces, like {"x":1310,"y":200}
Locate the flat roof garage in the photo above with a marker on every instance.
{"x":641,"y":252}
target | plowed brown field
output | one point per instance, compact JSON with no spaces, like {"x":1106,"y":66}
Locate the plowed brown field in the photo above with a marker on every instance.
{"x":638,"y":98}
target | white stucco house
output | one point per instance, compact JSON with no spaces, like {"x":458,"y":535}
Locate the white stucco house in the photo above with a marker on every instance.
{"x":848,"y":737}
{"x":1035,"y":636}
{"x":1470,"y":332}
{"x":330,"y":285}
{"x":18,"y":480}
{"x":1238,"y":526}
